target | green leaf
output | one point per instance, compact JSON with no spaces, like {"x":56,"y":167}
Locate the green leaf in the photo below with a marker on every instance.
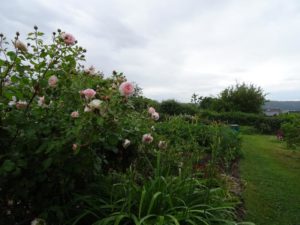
{"x":8,"y":166}
{"x":47,"y":163}
{"x":12,"y":55}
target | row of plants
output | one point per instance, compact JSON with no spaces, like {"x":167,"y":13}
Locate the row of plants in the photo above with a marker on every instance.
{"x":291,"y":131}
{"x":75,"y":149}
{"x":264,"y":124}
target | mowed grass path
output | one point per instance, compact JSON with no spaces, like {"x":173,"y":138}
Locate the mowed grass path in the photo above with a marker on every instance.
{"x":272,"y":177}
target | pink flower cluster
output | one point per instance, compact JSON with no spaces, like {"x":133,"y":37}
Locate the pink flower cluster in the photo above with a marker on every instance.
{"x":88,"y":93}
{"x":126,"y":89}
{"x":69,"y":39}
{"x":153,"y":113}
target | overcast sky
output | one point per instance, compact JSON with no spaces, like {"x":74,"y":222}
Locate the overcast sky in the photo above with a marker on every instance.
{"x":174,"y":48}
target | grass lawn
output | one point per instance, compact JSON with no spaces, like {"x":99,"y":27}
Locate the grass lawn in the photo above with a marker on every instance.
{"x":272,"y":177}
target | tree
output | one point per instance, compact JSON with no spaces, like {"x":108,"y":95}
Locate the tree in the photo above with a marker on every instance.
{"x":243,"y":98}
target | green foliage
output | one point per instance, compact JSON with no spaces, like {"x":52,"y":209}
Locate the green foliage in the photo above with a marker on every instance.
{"x":172,"y":107}
{"x":264,"y":124}
{"x":160,"y":199}
{"x":291,"y":131}
{"x":186,"y":137}
{"x":243,"y":98}
{"x":141,"y":103}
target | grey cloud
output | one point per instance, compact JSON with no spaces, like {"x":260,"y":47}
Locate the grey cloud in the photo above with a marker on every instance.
{"x":173,"y":48}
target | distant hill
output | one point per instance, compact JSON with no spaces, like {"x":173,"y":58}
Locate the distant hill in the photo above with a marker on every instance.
{"x":283,"y":105}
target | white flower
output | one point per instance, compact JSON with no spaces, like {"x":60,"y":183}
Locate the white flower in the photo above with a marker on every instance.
{"x":126,"y":143}
{"x":87,"y":109}
{"x":13,"y":101}
{"x":38,"y":221}
{"x":95,"y":104}
{"x":155,"y":116}
{"x":20,"y":46}
{"x":41,"y":101}
{"x":162,"y":145}
{"x":90,"y":71}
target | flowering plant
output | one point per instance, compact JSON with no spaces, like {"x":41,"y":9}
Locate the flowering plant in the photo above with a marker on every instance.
{"x":61,"y":127}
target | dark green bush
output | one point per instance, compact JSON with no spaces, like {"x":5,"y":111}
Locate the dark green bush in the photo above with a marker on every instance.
{"x":264,"y":124}
{"x":291,"y":132}
{"x":172,"y":107}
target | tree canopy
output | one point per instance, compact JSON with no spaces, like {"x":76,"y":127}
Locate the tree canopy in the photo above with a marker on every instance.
{"x":243,"y":98}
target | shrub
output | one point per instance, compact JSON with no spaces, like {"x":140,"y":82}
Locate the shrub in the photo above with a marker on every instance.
{"x":61,"y":127}
{"x":172,"y":107}
{"x":291,"y":132}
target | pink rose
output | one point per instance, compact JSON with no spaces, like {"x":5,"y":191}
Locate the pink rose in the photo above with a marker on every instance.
{"x":151,"y":110}
{"x":53,"y":81}
{"x":89,"y":93}
{"x":75,"y":114}
{"x":147,"y":138}
{"x":155,"y":116}
{"x":126,"y":89}
{"x":69,"y":39}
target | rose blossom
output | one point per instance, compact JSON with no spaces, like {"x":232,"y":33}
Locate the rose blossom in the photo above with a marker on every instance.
{"x":75,"y":114}
{"x":151,"y":110}
{"x":90,"y":71}
{"x":69,"y":39}
{"x":162,"y":145}
{"x":126,"y":89}
{"x":52,"y":81}
{"x":95,"y":104}
{"x":155,"y":116}
{"x":126,"y":143}
{"x":74,"y":147}
{"x":20,"y":46}
{"x":89,"y":93}
{"x":41,"y":101}
{"x":87,"y":109}
{"x":147,"y":138}
{"x":38,"y":221}
{"x":21,"y":104}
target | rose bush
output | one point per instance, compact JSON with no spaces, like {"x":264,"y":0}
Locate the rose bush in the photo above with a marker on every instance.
{"x":60,"y":127}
